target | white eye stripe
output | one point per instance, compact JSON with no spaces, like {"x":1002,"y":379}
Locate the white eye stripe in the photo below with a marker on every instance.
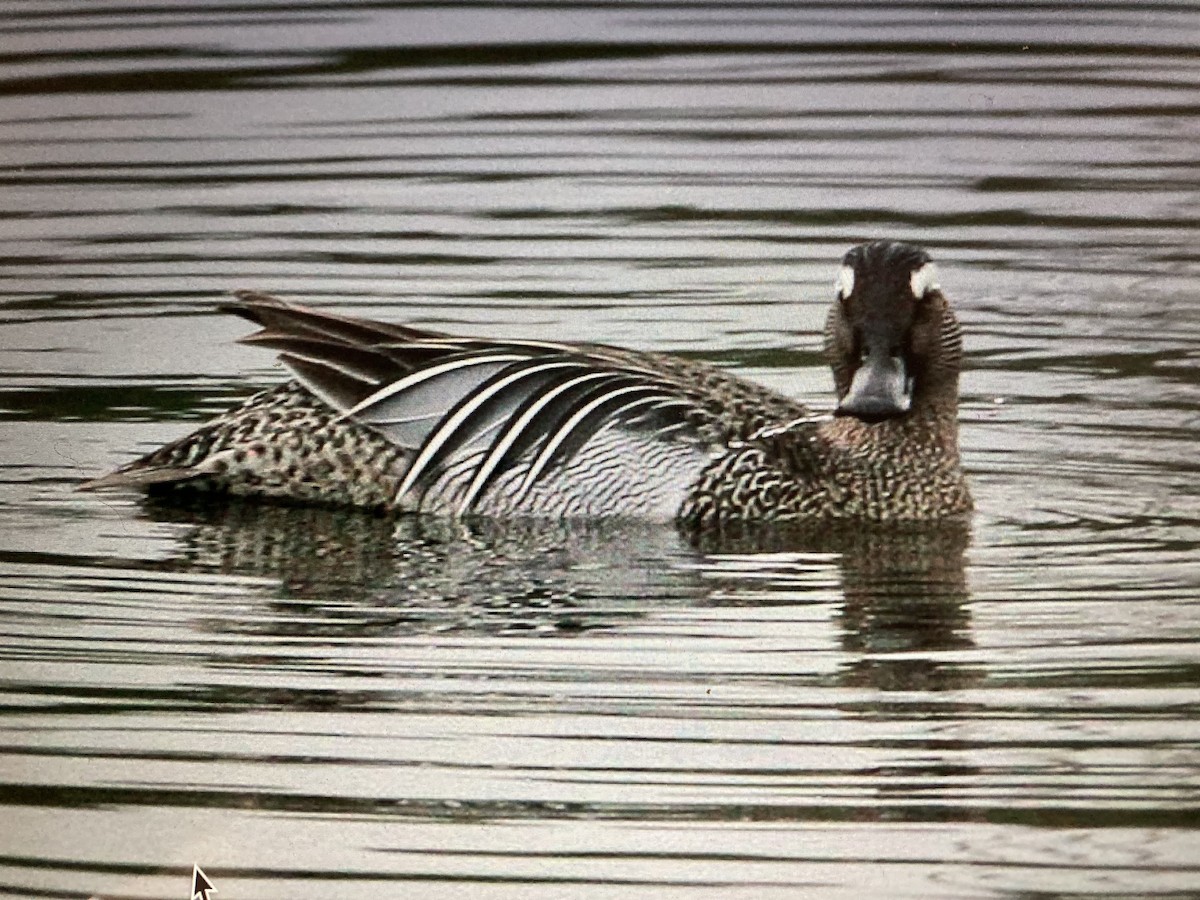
{"x":845,"y":282}
{"x":923,"y":280}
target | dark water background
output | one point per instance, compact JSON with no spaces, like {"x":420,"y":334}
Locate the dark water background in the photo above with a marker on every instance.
{"x":312,"y":703}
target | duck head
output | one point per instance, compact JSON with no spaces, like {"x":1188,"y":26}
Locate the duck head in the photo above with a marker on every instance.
{"x":892,"y":340}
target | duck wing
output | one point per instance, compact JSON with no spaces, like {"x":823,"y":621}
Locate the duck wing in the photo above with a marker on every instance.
{"x":504,"y":427}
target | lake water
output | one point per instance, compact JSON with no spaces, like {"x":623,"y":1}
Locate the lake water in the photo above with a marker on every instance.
{"x":325,"y":704}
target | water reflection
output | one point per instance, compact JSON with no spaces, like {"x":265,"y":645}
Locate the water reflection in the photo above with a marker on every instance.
{"x":905,"y":596}
{"x":546,"y":711}
{"x":350,"y":574}
{"x":906,"y":600}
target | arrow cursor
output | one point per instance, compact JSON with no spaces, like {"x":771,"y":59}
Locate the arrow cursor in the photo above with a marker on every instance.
{"x":200,"y":884}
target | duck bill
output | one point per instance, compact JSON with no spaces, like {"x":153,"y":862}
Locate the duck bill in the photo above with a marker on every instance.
{"x":880,"y":389}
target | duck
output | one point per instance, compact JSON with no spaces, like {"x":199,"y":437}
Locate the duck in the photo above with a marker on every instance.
{"x":409,"y":420}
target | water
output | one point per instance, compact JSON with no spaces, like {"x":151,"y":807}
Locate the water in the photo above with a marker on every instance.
{"x":312,"y":703}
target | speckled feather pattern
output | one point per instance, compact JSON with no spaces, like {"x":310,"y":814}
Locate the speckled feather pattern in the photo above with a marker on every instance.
{"x":647,"y":435}
{"x":733,"y":408}
{"x":284,"y":443}
{"x":839,"y":469}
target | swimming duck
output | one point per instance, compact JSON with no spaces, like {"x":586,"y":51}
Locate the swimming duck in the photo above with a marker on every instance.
{"x":409,"y":420}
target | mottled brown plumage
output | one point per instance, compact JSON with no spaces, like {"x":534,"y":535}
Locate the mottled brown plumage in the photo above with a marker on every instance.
{"x":403,"y":419}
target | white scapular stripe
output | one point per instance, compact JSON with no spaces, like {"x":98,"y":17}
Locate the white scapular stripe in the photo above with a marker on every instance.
{"x":408,"y":381}
{"x":543,"y":457}
{"x":449,"y":426}
{"x":496,"y":454}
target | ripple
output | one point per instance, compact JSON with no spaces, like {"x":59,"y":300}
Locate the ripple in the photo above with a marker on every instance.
{"x":326,"y":703}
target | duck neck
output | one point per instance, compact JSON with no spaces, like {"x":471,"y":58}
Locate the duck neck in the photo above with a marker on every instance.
{"x":935,"y":414}
{"x":929,"y":427}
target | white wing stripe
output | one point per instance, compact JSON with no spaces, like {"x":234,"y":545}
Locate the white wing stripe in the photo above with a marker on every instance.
{"x":572,"y":423}
{"x":408,"y":381}
{"x":496,"y":454}
{"x":450,"y":425}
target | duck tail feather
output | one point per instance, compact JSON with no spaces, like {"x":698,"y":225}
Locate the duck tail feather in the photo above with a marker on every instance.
{"x":136,"y":477}
{"x":271,"y":313}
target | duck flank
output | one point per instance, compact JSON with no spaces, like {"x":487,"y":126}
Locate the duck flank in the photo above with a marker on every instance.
{"x":409,"y":420}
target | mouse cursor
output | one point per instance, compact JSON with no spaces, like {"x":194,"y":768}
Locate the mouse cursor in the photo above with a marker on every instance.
{"x":200,"y":884}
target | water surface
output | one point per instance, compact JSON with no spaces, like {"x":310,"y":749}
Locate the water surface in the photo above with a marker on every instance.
{"x":325,"y":703}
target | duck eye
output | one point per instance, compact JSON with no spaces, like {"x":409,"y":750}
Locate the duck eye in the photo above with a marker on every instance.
{"x":923,"y":280}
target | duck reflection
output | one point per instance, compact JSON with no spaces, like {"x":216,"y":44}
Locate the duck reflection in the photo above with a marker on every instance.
{"x":349,"y":573}
{"x":905,"y":596}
